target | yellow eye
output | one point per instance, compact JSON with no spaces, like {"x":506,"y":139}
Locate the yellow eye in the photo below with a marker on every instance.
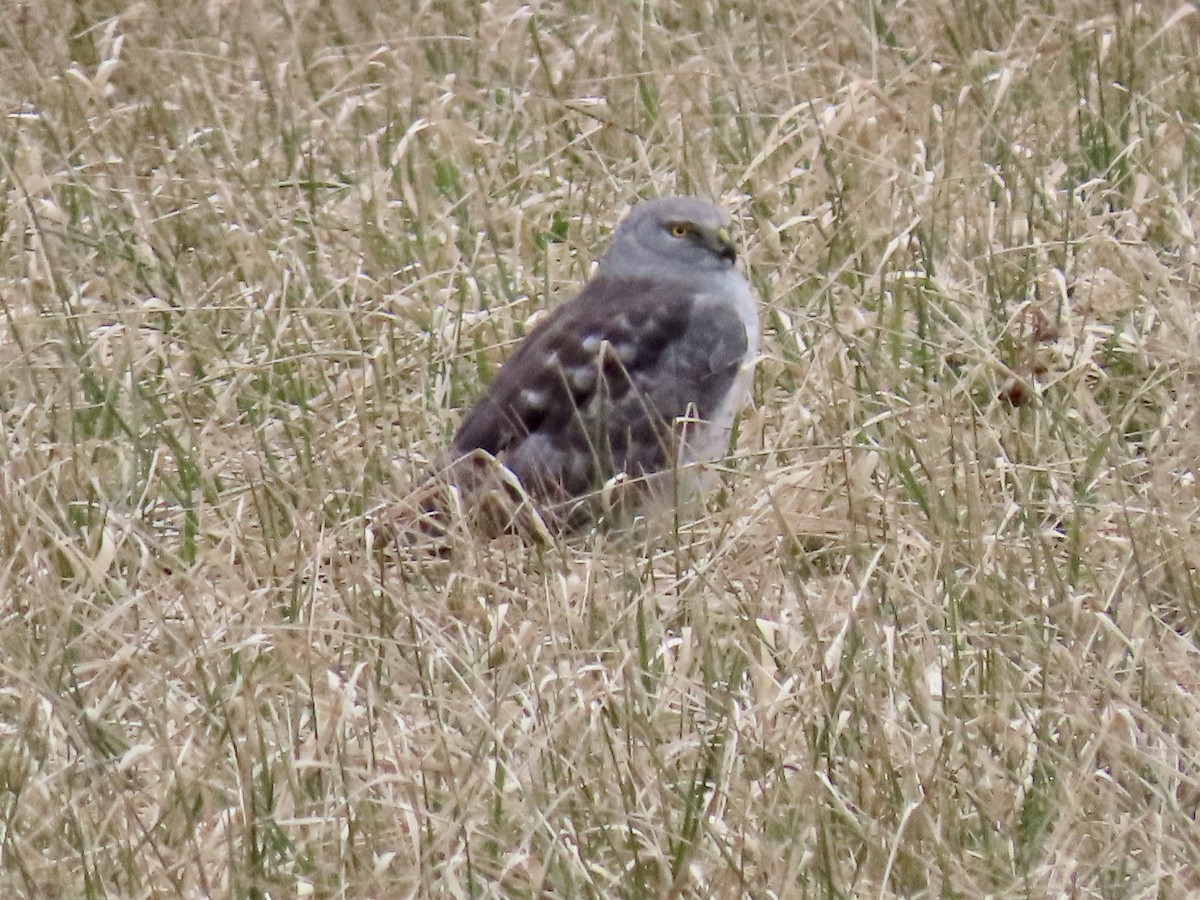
{"x":679,"y":229}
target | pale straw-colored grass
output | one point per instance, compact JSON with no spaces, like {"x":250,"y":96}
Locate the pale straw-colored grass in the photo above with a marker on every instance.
{"x":937,"y":635}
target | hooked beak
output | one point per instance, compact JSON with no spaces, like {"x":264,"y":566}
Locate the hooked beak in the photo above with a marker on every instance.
{"x":722,"y":245}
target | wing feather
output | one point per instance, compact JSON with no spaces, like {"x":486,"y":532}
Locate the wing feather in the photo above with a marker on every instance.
{"x":596,"y":388}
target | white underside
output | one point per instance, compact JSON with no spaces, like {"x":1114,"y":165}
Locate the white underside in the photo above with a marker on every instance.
{"x":708,"y":441}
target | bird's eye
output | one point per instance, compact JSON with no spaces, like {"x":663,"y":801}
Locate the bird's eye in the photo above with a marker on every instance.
{"x":679,"y":230}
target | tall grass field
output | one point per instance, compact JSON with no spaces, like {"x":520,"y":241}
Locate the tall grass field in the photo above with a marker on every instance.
{"x":936,"y":631}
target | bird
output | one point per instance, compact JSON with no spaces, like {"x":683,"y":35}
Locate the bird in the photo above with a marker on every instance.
{"x":633,"y":381}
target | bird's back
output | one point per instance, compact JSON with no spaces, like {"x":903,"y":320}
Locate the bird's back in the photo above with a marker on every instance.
{"x":601,"y":386}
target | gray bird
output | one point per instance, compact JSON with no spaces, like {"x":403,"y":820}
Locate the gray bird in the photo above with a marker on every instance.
{"x":640,"y":374}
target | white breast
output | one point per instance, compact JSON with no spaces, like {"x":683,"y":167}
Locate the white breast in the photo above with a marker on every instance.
{"x":709,"y":441}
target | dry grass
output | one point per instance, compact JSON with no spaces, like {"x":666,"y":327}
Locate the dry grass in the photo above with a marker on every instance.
{"x":937,"y":637}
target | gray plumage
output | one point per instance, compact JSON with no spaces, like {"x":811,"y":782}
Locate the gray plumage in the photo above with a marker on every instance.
{"x":641,"y":372}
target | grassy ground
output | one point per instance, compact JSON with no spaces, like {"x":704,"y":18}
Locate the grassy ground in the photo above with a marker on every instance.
{"x":938,"y":634}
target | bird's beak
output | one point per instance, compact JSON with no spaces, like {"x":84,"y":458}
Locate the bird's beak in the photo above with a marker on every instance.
{"x":722,"y":244}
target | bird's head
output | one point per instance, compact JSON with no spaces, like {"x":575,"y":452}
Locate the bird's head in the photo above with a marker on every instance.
{"x":675,"y":237}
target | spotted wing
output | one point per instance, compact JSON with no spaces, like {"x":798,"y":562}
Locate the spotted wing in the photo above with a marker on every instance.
{"x":596,"y":388}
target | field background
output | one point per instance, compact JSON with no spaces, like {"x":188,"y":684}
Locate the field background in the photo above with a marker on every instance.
{"x":935,"y":636}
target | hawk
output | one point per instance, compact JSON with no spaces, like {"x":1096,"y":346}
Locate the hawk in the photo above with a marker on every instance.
{"x":631,"y":382}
